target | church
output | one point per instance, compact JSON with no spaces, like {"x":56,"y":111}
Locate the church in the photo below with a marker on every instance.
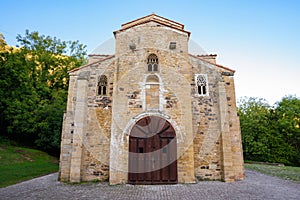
{"x":151,"y":107}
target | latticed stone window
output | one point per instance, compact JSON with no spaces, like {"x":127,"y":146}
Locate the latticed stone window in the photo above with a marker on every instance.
{"x":202,"y":84}
{"x":102,"y":85}
{"x":152,"y":62}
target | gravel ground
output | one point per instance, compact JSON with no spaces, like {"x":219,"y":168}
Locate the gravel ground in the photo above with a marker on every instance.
{"x":255,"y":186}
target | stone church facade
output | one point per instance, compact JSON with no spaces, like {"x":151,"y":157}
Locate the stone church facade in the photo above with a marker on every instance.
{"x":152,"y":112}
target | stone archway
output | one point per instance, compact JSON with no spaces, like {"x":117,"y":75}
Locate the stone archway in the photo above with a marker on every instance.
{"x":152,"y":152}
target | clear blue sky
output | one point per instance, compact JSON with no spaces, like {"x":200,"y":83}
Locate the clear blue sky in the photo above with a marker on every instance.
{"x":260,"y":39}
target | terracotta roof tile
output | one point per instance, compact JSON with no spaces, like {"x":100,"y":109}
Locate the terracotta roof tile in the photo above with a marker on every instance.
{"x":221,"y":66}
{"x":93,"y":63}
{"x":155,"y":18}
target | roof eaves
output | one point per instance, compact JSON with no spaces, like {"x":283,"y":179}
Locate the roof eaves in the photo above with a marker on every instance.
{"x":93,"y":63}
{"x":95,"y":54}
{"x":221,"y":66}
{"x":154,"y":20}
{"x":147,"y":16}
{"x":153,"y":16}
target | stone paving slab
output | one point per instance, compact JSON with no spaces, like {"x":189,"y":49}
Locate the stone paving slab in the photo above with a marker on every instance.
{"x":255,"y":186}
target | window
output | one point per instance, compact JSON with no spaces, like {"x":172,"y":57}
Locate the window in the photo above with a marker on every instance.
{"x":152,"y":62}
{"x":150,"y":67}
{"x":201,"y":83}
{"x":172,"y":45}
{"x":155,"y":67}
{"x":102,"y":85}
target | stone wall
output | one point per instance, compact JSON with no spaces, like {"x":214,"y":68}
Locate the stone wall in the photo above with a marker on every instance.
{"x":234,"y":128}
{"x":92,"y":142}
{"x":67,"y":133}
{"x":130,"y":101}
{"x":206,"y":123}
{"x":96,"y":127}
{"x":217,"y":139}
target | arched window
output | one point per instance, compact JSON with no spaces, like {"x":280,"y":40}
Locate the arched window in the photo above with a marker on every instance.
{"x":152,"y":62}
{"x":202,"y":84}
{"x":102,"y":85}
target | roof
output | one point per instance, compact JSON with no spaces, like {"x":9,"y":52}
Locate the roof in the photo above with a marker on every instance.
{"x":153,"y":18}
{"x":93,"y":63}
{"x":220,"y":66}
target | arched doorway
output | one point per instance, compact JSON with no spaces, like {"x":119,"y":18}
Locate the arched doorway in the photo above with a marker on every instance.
{"x":152,"y":152}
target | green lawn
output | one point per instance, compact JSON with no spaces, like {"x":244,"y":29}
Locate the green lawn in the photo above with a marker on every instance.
{"x":284,"y":172}
{"x":19,"y":164}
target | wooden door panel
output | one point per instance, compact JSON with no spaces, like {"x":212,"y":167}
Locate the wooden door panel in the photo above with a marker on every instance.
{"x":164,"y":160}
{"x":152,"y":146}
{"x":132,"y":158}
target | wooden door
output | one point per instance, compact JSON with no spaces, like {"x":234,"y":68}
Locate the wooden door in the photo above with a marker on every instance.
{"x":152,"y":152}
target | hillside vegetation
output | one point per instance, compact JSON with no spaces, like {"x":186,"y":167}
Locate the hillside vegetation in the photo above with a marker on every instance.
{"x":19,"y":164}
{"x":33,"y":88}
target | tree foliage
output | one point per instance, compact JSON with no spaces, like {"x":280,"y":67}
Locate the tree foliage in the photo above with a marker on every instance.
{"x":288,"y":123}
{"x":33,"y":86}
{"x":270,"y":134}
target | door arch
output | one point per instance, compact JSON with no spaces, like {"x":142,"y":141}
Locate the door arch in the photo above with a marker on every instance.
{"x":152,"y":152}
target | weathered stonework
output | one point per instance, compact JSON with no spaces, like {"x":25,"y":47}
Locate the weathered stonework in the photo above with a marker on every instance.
{"x":100,"y":115}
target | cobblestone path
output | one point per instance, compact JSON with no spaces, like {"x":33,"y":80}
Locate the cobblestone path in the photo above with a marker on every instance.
{"x":255,"y":186}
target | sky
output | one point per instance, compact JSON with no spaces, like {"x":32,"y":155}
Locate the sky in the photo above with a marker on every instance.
{"x":260,"y":39}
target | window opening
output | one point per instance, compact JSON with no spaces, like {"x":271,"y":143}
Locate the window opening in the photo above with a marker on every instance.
{"x":201,"y":82}
{"x":150,"y":67}
{"x":102,"y":85}
{"x":152,"y":62}
{"x":155,"y":68}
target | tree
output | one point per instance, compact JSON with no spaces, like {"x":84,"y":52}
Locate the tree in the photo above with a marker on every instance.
{"x":288,"y":118}
{"x":2,"y":42}
{"x":33,"y":86}
{"x":18,"y":99}
{"x":270,"y":134}
{"x":255,"y":129}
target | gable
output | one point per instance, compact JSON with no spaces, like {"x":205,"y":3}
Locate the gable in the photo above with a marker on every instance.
{"x":153,"y":18}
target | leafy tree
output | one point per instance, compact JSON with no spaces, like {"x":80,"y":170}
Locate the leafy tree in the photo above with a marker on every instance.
{"x":33,"y":86}
{"x":2,"y":42}
{"x":18,"y":100}
{"x":52,"y":58}
{"x":288,"y":121}
{"x":270,"y":134}
{"x":255,"y":129}
{"x":50,"y":117}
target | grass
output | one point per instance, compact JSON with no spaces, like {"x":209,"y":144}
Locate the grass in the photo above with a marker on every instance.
{"x":19,"y":164}
{"x":284,"y":172}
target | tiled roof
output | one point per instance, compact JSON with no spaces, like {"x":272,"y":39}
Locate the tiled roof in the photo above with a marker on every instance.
{"x":93,"y":63}
{"x":202,"y":59}
{"x":155,"y":18}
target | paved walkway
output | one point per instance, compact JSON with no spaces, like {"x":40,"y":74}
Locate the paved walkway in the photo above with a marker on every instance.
{"x":255,"y":186}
